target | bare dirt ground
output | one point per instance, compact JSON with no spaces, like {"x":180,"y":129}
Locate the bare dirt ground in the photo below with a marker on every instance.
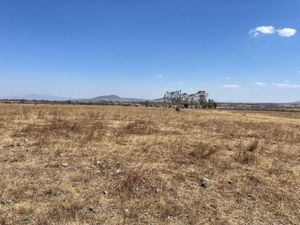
{"x":126,"y":165}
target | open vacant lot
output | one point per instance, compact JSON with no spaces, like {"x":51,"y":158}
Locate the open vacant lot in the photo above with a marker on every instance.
{"x":135,"y":165}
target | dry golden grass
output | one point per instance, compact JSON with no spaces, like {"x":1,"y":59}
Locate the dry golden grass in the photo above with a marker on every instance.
{"x":126,"y":165}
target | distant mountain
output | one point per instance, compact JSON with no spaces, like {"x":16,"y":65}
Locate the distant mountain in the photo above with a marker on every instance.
{"x":36,"y":97}
{"x":111,"y":98}
{"x":107,"y":98}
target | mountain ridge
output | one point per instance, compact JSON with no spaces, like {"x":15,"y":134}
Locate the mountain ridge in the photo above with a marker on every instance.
{"x":36,"y":97}
{"x":112,"y":98}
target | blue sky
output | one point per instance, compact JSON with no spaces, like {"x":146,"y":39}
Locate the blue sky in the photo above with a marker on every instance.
{"x":237,"y":50}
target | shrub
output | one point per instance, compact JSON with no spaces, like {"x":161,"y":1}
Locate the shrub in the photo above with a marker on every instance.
{"x":247,"y":154}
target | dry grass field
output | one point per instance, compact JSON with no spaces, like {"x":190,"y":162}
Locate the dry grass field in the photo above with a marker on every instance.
{"x":134,"y":165}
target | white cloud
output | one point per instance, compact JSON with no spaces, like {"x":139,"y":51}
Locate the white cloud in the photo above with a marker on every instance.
{"x":286,"y":85}
{"x":231,"y":86}
{"x":262,"y":30}
{"x":260,"y":84}
{"x":268,"y":30}
{"x":286,"y":32}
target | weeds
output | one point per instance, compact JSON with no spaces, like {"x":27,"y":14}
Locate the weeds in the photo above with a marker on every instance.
{"x":247,"y":154}
{"x":139,"y":127}
{"x":132,"y":181}
{"x":202,"y":151}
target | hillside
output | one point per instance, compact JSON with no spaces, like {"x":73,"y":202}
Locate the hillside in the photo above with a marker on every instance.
{"x":111,"y":98}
